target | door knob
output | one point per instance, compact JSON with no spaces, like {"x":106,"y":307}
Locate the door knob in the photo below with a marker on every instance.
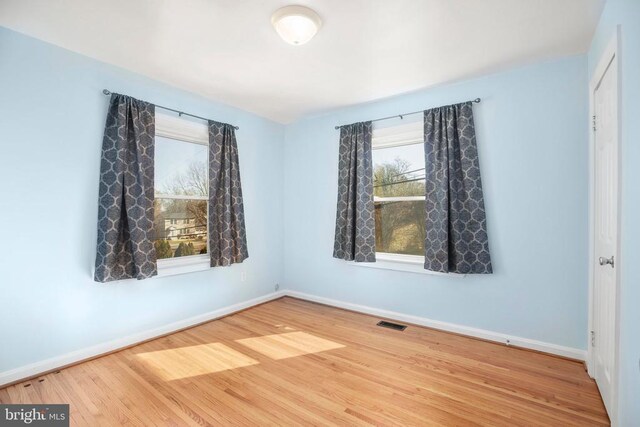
{"x":605,"y":261}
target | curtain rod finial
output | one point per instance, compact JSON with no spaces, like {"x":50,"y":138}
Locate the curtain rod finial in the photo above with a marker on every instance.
{"x":477,"y":100}
{"x":106,"y":92}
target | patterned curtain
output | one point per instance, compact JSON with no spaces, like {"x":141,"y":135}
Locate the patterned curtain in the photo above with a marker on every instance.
{"x":125,"y":214}
{"x":355,"y":238}
{"x":227,"y":235}
{"x":456,"y":230}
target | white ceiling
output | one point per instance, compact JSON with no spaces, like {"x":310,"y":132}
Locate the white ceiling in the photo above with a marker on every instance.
{"x":227,"y":50}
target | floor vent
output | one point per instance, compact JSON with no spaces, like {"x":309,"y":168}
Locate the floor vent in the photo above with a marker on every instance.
{"x":390,"y":325}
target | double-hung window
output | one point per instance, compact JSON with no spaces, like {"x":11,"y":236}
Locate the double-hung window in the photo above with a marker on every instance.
{"x":181,"y":194}
{"x":399,"y":192}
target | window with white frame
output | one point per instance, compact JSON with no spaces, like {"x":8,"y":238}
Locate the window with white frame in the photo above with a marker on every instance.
{"x":399,"y":192}
{"x":181,"y":193}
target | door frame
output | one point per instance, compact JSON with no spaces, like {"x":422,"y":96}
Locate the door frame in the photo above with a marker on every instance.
{"x":611,"y":53}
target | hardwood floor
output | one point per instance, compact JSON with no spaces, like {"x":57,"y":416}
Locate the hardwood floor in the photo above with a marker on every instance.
{"x":291,"y":362}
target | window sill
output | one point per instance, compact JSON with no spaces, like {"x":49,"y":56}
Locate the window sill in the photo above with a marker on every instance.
{"x":406,"y":263}
{"x":173,"y":266}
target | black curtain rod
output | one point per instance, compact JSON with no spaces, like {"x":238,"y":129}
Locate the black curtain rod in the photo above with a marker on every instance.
{"x":180,"y":113}
{"x":405,"y":114}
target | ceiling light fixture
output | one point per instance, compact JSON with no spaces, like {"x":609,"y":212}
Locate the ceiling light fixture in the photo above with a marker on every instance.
{"x":296,"y":24}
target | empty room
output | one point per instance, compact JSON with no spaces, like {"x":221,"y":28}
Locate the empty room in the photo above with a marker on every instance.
{"x":321,"y":212}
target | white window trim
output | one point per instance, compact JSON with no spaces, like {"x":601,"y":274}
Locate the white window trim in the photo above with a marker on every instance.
{"x":197,"y":133}
{"x":399,"y":199}
{"x":400,"y":262}
{"x":179,"y":197}
{"x":181,"y":265}
{"x":181,"y":129}
{"x":397,"y":136}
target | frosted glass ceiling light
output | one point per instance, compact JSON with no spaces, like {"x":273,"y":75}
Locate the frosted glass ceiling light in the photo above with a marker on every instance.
{"x":296,"y":24}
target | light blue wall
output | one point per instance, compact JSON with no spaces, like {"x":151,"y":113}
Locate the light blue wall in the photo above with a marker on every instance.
{"x":532,"y":136}
{"x":627,"y":14}
{"x":52,"y":115}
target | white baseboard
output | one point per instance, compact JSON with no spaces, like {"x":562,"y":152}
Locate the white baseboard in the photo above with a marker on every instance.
{"x":545,"y":347}
{"x":54,"y":363}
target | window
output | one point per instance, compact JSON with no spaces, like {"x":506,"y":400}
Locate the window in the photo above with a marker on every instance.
{"x":181,"y":194}
{"x":399,"y":192}
{"x":399,"y":198}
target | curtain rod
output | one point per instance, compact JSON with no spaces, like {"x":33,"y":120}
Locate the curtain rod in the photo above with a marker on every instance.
{"x":180,"y":113}
{"x":405,"y":114}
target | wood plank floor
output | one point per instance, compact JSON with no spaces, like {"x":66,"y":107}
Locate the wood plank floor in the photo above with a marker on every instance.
{"x":291,"y":362}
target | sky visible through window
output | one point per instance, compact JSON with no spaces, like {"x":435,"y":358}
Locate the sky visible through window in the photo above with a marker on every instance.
{"x":394,"y":166}
{"x":413,"y":153}
{"x":174,"y":161}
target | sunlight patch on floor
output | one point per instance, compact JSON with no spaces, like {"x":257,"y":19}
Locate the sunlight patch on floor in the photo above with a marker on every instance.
{"x":185,"y":362}
{"x":285,"y":327}
{"x":282,"y":346}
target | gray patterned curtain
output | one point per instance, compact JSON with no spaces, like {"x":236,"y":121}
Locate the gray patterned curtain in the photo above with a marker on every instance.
{"x":227,"y":234}
{"x":125,"y":213}
{"x":456,"y":230}
{"x":355,"y":238}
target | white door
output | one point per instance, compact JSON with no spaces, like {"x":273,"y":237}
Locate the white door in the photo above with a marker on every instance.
{"x":604,"y":340}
